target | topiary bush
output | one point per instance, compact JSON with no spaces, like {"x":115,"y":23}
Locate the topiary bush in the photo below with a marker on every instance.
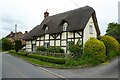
{"x":48,"y":58}
{"x":95,"y":51}
{"x":41,"y":48}
{"x":111,"y":44}
{"x":55,"y":49}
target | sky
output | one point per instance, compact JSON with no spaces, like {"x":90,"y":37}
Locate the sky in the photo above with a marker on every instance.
{"x":29,"y":13}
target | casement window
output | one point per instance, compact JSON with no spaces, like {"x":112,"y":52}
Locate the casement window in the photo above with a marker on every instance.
{"x":46,"y":44}
{"x":46,"y":29}
{"x":65,"y":26}
{"x":90,"y":29}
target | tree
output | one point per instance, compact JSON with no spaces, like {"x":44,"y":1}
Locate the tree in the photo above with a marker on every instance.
{"x":18,"y":45}
{"x":6,"y":44}
{"x":114,"y":31}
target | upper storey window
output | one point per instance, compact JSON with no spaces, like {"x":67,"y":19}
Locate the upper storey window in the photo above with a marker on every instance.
{"x":65,"y":26}
{"x":46,"y":29}
{"x":90,"y":29}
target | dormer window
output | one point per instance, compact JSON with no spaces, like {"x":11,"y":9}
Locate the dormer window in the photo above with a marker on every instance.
{"x":90,"y":29}
{"x":65,"y":26}
{"x":46,"y":29}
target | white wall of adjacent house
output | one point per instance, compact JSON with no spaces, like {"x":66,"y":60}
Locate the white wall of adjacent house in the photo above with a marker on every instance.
{"x":89,"y":30}
{"x":28,"y":46}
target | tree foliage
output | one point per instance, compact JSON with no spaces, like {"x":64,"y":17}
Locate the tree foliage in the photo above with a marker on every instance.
{"x":114,"y":31}
{"x":111,"y":44}
{"x":18,"y":45}
{"x":6,"y":44}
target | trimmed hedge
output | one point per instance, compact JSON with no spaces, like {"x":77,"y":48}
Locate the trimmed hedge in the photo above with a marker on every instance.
{"x":111,"y":44}
{"x":11,"y":51}
{"x":95,"y":51}
{"x":23,"y":53}
{"x":48,"y":58}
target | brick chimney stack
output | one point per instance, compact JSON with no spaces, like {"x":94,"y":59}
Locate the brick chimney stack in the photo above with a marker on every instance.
{"x":46,"y":14}
{"x":26,"y":32}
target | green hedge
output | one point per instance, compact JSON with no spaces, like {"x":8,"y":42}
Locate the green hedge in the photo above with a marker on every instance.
{"x":48,"y":58}
{"x":95,"y":50}
{"x":11,"y":51}
{"x":23,"y":53}
{"x":111,"y":44}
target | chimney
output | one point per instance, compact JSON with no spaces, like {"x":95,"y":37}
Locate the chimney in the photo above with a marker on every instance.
{"x":11,"y":32}
{"x":46,"y":14}
{"x":26,"y":32}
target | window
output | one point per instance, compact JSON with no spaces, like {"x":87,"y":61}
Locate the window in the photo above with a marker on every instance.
{"x":65,"y":26}
{"x":90,"y":29}
{"x":46,"y":29}
{"x":46,"y":44}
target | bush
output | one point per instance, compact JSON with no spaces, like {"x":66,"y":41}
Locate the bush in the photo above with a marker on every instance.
{"x":71,"y":63}
{"x":111,"y":44}
{"x":48,"y":58}
{"x":12,"y":51}
{"x":75,"y":49}
{"x":95,"y":51}
{"x":55,"y":49}
{"x":119,"y":49}
{"x":41,"y":48}
{"x":23,"y":53}
{"x":6,"y":44}
{"x":18,"y":45}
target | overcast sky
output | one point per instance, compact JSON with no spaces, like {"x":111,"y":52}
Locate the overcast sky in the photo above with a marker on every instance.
{"x":29,"y":13}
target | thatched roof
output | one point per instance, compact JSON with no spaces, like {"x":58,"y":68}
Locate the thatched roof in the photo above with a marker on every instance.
{"x":77,"y":20}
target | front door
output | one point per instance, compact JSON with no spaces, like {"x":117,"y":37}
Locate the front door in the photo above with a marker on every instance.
{"x":33,"y":47}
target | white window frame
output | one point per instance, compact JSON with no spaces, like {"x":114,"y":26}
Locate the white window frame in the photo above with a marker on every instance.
{"x":90,"y":29}
{"x":65,"y":26}
{"x":46,"y":29}
{"x":46,"y":44}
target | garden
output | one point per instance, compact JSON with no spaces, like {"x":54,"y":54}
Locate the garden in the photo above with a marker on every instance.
{"x":94,"y":52}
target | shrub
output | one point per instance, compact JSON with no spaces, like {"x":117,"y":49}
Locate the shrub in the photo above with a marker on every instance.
{"x":55,"y":49}
{"x":75,"y":49}
{"x":95,"y":51}
{"x":119,"y":49}
{"x":111,"y":44}
{"x":18,"y":45}
{"x":12,"y":51}
{"x":6,"y":44}
{"x":71,"y":62}
{"x":48,"y":58}
{"x":41,"y":48}
{"x":23,"y":53}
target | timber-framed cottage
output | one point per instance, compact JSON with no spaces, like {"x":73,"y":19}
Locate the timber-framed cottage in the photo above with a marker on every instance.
{"x":58,"y":30}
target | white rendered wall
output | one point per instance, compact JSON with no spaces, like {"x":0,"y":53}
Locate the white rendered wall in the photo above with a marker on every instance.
{"x":87,"y":35}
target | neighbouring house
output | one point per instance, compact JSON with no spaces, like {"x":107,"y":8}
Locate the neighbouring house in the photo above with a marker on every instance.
{"x":19,"y":36}
{"x":58,"y":30}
